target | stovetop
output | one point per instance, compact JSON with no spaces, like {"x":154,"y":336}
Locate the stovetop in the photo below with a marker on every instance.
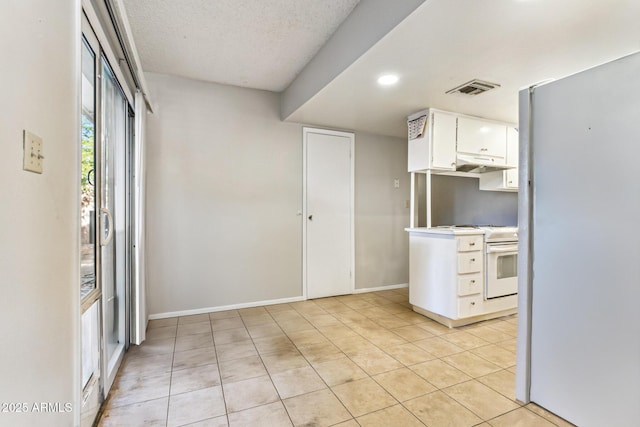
{"x":503,"y":233}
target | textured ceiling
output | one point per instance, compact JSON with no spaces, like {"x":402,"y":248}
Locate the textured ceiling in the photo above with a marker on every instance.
{"x":264,"y":44}
{"x":261,"y":44}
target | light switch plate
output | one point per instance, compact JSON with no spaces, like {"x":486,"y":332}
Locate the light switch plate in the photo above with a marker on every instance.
{"x":32,"y":152}
{"x":396,"y":183}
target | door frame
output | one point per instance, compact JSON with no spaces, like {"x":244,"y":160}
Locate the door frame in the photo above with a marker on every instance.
{"x":110,"y":367}
{"x":525,"y":246}
{"x":305,"y":132}
{"x":92,"y":395}
{"x":93,"y":31}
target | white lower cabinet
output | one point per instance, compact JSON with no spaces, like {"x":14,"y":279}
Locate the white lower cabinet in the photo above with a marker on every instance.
{"x":470,"y":243}
{"x":470,"y":306}
{"x":470,"y":271}
{"x":470,"y":262}
{"x":470,"y":284}
{"x":446,"y":278}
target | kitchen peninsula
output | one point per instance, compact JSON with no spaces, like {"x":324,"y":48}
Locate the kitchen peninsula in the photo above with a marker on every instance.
{"x":450,"y":274}
{"x":461,"y":274}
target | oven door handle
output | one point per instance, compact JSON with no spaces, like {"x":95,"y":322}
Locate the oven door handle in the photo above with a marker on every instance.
{"x":500,"y":249}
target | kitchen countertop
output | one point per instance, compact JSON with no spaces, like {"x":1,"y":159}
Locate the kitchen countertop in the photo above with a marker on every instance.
{"x":445,"y":230}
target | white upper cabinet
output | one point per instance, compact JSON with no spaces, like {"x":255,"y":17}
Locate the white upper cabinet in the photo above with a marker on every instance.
{"x":482,"y":138}
{"x":444,"y":142}
{"x":506,"y":180}
{"x":513,"y":148}
{"x":432,"y":141}
{"x":443,"y":149}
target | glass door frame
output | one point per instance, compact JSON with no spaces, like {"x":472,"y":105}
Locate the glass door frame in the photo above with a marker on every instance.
{"x":92,"y":392}
{"x":121,"y":258}
{"x":91,"y":40}
{"x":103,"y":379}
{"x":131,"y":209}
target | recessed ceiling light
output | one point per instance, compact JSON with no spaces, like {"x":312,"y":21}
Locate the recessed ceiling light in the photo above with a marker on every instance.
{"x":388,"y":79}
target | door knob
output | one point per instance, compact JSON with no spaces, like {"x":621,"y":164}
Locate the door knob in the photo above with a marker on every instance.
{"x":310,"y":217}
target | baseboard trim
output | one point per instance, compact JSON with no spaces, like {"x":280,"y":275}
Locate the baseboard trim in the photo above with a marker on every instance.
{"x":262,"y":303}
{"x":224,"y":308}
{"x":380,"y":288}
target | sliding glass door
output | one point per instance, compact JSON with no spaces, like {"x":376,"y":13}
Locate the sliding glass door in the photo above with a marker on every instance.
{"x":113,"y":214}
{"x":90,"y":292}
{"x":106,"y":141}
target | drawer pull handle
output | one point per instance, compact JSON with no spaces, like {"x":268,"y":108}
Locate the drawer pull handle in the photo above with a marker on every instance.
{"x":473,"y":303}
{"x":472,"y":244}
{"x":473,"y":281}
{"x":473,"y":260}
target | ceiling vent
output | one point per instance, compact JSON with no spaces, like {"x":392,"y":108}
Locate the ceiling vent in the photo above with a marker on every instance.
{"x":474,"y":87}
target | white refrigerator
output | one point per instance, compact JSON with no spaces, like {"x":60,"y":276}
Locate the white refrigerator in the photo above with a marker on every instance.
{"x":579,"y":271}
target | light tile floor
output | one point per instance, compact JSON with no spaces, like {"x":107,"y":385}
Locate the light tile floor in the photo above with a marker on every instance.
{"x":356,"y":360}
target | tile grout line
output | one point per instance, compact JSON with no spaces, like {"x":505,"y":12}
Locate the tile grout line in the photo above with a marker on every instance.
{"x":215,"y":350}
{"x":517,"y":409}
{"x":265,"y":366}
{"x":173,"y":356}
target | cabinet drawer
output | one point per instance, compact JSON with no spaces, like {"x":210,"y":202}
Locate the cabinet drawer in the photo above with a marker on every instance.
{"x":469,"y":285}
{"x":469,"y":262}
{"x":470,"y":306}
{"x":470,"y":243}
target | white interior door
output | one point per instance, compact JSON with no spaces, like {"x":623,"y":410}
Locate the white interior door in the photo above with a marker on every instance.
{"x":328,"y":213}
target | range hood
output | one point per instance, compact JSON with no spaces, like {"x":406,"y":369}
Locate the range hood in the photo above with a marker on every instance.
{"x":473,"y":163}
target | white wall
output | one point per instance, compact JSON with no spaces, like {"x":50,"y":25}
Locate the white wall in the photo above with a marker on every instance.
{"x":224,"y":186}
{"x":458,"y":200}
{"x":39,"y":272}
{"x":224,"y":189}
{"x":382,"y":245}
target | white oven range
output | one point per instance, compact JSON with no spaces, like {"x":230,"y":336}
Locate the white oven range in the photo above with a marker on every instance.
{"x":501,"y":261}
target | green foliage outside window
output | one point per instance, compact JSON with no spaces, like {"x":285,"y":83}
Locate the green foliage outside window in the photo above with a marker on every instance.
{"x":88,"y":162}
